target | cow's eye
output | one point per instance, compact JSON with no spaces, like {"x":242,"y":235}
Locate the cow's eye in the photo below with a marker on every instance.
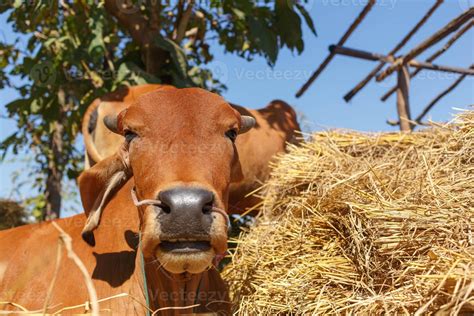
{"x":129,"y":136}
{"x":231,"y":134}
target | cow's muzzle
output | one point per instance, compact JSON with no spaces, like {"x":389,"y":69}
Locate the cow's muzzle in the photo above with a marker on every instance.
{"x":185,"y":214}
{"x":184,"y":229}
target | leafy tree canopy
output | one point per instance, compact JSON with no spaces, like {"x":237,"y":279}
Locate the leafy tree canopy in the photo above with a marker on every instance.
{"x":79,"y":50}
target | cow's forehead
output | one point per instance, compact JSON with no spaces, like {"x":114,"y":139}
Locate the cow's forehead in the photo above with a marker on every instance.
{"x":188,"y":100}
{"x":177,"y":108}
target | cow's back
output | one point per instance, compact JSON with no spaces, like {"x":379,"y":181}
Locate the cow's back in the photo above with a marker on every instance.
{"x":276,"y":126}
{"x":28,"y":261}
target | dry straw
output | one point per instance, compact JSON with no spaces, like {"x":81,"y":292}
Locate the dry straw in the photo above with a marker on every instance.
{"x":365,"y":224}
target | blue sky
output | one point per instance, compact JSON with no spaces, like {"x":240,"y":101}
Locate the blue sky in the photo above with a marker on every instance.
{"x":254,"y":84}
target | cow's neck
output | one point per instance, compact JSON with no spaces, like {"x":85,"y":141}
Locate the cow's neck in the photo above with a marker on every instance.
{"x":167,"y":289}
{"x":205,"y":292}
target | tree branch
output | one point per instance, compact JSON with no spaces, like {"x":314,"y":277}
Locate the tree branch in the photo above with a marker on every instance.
{"x":142,"y":33}
{"x":183,"y":22}
{"x":155,"y":10}
{"x":134,"y":22}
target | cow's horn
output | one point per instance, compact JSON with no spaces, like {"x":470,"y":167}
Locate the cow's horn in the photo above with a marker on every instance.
{"x":247,"y":123}
{"x":111,"y":122}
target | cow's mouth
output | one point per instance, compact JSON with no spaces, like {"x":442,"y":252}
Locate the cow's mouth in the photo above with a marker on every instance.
{"x":184,"y":247}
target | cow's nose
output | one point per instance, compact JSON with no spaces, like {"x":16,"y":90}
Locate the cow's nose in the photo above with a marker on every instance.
{"x":187,"y":210}
{"x":187,"y":200}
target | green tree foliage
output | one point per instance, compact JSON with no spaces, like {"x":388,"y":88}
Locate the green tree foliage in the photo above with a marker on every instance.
{"x":79,"y":50}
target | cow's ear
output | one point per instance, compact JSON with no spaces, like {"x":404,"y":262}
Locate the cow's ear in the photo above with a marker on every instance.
{"x":98,"y":184}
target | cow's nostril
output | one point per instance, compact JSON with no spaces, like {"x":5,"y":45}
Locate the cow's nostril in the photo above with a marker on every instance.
{"x":166,"y":204}
{"x":165,"y":208}
{"x":207,"y":208}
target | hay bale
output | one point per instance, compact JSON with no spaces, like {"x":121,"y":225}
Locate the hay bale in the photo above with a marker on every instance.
{"x":364,"y":223}
{"x":12,"y":214}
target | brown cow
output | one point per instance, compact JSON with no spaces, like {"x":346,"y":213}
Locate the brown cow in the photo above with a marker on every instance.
{"x":276,"y":125}
{"x":175,"y":166}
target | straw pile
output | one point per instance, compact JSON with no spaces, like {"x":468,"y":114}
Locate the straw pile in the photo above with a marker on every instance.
{"x":364,"y":224}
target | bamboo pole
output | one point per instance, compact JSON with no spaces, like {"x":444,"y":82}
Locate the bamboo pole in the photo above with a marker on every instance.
{"x":403,"y":100}
{"x":341,"y":50}
{"x":451,"y":27}
{"x":439,"y":97}
{"x":425,"y":111}
{"x":400,"y":45}
{"x":434,"y":101}
{"x":341,"y":42}
{"x":357,"y":53}
{"x":456,"y":70}
{"x":432,"y":58}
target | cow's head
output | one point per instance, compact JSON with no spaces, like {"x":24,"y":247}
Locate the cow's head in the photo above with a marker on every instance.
{"x":179,"y":148}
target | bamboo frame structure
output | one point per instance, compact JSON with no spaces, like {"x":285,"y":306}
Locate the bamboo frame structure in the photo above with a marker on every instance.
{"x":346,"y":51}
{"x":403,"y":81}
{"x":461,"y":24}
{"x":433,"y":102}
{"x":439,"y":97}
{"x":341,"y":42}
{"x":432,"y":58}
{"x":399,"y":46}
{"x":403,"y":99}
{"x":451,"y":27}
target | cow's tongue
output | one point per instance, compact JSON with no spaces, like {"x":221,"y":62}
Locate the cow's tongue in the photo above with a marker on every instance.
{"x":185,"y":246}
